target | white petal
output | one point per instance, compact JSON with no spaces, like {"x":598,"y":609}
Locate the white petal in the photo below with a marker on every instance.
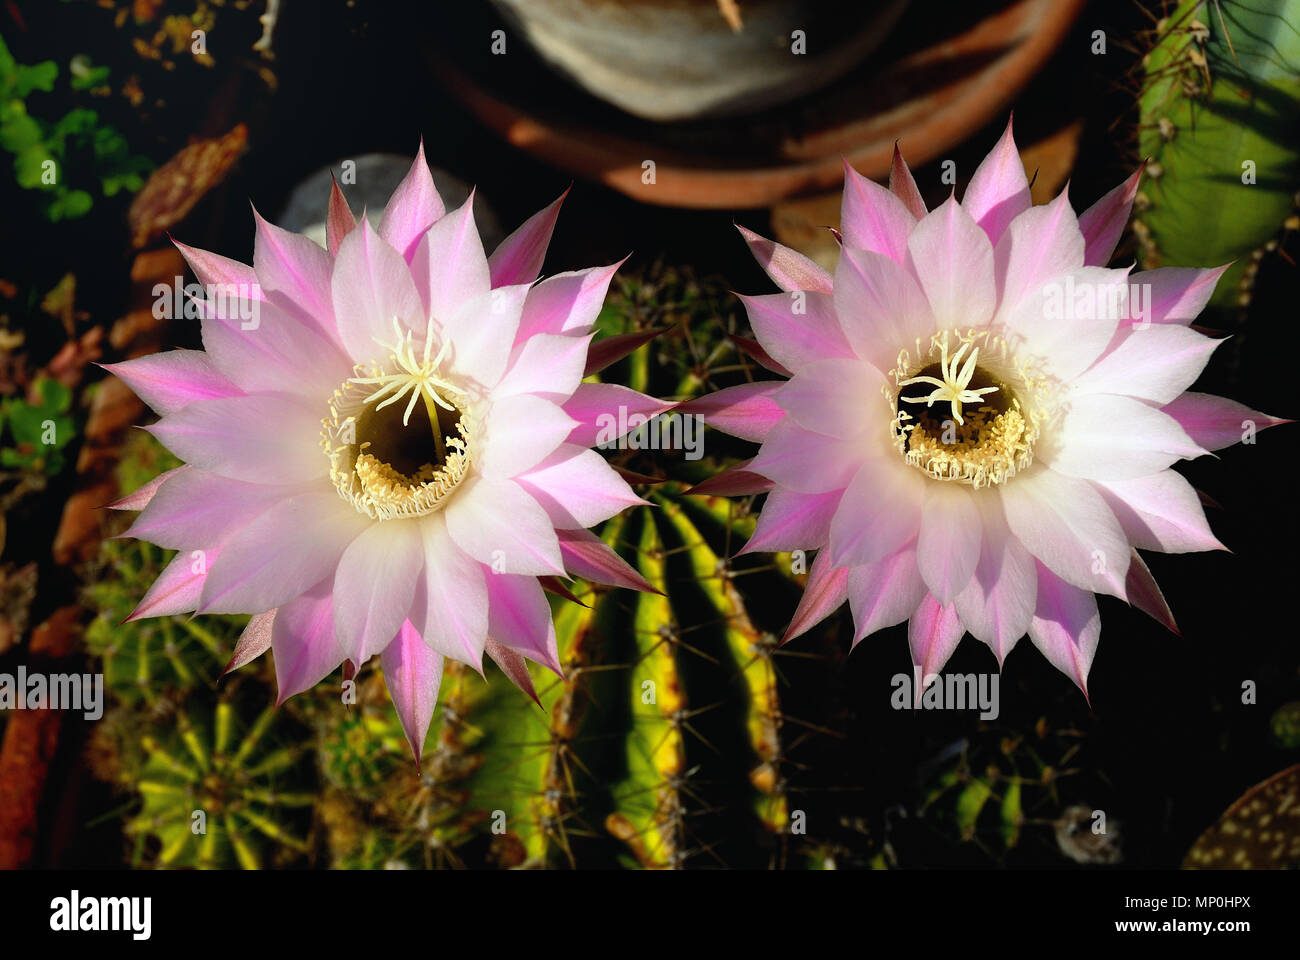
{"x":374,"y":586}
{"x":1107,"y":437}
{"x":1160,"y":512}
{"x":482,"y":333}
{"x":497,"y":523}
{"x":281,"y":554}
{"x":450,"y":608}
{"x":948,"y":546}
{"x":1065,"y":523}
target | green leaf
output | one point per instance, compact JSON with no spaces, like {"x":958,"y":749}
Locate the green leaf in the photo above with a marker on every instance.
{"x":40,"y":76}
{"x":18,"y":131}
{"x":75,"y":123}
{"x":69,"y":206}
{"x":30,"y":166}
{"x":57,"y":396}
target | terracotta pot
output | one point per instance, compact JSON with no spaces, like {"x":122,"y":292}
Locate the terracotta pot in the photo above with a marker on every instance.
{"x":682,"y":59}
{"x":942,"y":82}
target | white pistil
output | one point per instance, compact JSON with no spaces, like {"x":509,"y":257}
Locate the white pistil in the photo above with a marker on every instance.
{"x":953,"y":387}
{"x":419,"y":377}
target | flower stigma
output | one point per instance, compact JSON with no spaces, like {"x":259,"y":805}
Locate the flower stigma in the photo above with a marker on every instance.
{"x":389,"y":466}
{"x":985,"y":435}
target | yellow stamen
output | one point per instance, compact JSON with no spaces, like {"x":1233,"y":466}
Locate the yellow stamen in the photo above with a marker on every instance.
{"x":376,"y":488}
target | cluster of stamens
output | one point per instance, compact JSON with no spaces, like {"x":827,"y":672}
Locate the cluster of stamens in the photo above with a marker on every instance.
{"x":987,"y":439}
{"x":377,"y":488}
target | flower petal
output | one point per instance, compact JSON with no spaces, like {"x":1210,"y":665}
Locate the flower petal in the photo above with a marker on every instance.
{"x":1064,"y":339}
{"x":302,"y":641}
{"x":253,"y":642}
{"x":880,"y":306}
{"x":886,"y":592}
{"x":1156,"y":363}
{"x":1103,"y":223}
{"x":872,"y":218}
{"x":482,"y":333}
{"x":1217,"y":422}
{"x":518,"y":258}
{"x":825,"y":592}
{"x":793,"y":521}
{"x":413,"y":674}
{"x":498,"y":523}
{"x":339,"y":221}
{"x":1145,"y":594}
{"x":449,"y":265}
{"x":214,"y":270}
{"x":545,"y":364}
{"x":903,"y":186}
{"x":805,"y":461}
{"x":292,"y":264}
{"x":374,"y":586}
{"x":195,"y":509}
{"x":1179,"y":294}
{"x":278,"y":349}
{"x":139,"y":498}
{"x":1107,"y":437}
{"x":587,"y":556}
{"x":833,"y":397}
{"x":518,"y":433}
{"x":999,"y":190}
{"x":998,"y":603}
{"x":948,"y":545}
{"x":789,"y":269}
{"x":1160,"y":512}
{"x":280,"y":554}
{"x":1065,"y":626}
{"x":413,"y":208}
{"x":736,"y":480}
{"x":168,"y":381}
{"x":1039,"y":245}
{"x":1064,"y":522}
{"x":797,"y":328}
{"x":451,"y":599}
{"x":178,"y":587}
{"x":880,"y":512}
{"x":747,"y":410}
{"x":566,"y":303}
{"x":269,"y":438}
{"x":578,"y":488}
{"x":514,"y":667}
{"x":953,"y":259}
{"x":933,"y":633}
{"x":605,"y":411}
{"x":520,"y":617}
{"x":372,"y":286}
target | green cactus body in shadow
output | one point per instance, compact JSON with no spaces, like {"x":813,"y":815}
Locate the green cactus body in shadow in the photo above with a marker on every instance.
{"x":749,"y":653}
{"x":1220,"y":106}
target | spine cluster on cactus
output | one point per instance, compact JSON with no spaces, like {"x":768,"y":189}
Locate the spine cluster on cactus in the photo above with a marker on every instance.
{"x":1219,"y":114}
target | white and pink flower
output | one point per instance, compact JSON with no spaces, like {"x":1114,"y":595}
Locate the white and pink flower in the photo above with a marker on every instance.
{"x":981,"y":418}
{"x":394,"y":459}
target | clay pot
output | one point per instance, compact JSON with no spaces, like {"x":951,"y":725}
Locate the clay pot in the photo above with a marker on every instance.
{"x":683,"y":60}
{"x":936,"y":82}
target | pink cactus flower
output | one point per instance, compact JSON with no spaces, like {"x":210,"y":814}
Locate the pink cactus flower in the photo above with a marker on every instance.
{"x":981,"y":418}
{"x":386,"y":448}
